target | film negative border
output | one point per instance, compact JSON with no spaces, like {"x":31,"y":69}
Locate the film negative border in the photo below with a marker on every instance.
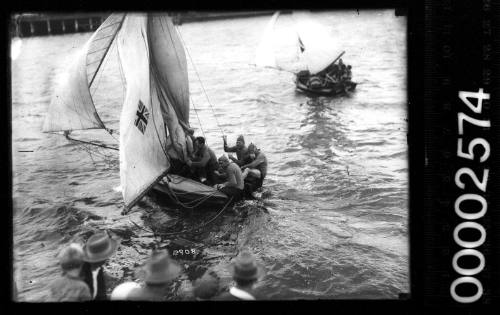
{"x":461,"y":220}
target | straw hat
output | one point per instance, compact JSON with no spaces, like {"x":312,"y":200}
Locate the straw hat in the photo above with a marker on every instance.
{"x":159,"y":268}
{"x":245,"y":267}
{"x":207,"y":286}
{"x":100,"y":247}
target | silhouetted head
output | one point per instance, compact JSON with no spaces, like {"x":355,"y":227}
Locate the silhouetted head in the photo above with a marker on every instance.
{"x":240,"y":142}
{"x":223,"y":161}
{"x":252,"y":151}
{"x":200,"y":141}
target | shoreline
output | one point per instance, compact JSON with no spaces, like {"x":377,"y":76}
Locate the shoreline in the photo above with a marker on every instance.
{"x":31,"y":25}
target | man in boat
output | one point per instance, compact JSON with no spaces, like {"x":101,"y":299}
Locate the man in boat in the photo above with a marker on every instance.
{"x":204,"y":162}
{"x":349,"y":73}
{"x":255,"y":171}
{"x":240,"y":149}
{"x":234,"y":185}
{"x":98,"y":249}
{"x":246,"y":272}
{"x":315,"y":82}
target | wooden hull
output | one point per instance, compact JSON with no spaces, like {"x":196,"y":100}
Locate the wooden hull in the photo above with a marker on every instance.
{"x":186,"y":193}
{"x":336,"y":89}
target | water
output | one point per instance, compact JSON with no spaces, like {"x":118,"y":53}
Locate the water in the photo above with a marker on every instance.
{"x":337,"y":225}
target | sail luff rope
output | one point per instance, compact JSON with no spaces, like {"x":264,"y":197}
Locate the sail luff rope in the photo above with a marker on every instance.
{"x":201,"y":83}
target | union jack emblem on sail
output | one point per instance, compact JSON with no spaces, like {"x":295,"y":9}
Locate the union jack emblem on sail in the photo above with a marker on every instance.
{"x":142,"y":117}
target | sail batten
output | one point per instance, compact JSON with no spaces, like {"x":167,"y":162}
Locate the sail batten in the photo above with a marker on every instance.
{"x":104,"y":36}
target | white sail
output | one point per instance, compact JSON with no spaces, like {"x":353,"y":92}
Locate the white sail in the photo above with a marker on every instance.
{"x":169,"y":69}
{"x":265,"y":51}
{"x":150,"y":132}
{"x":319,"y":47}
{"x":72,"y":106}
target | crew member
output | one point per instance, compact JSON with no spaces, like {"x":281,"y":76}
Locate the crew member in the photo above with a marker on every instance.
{"x":205,"y":162}
{"x":233,"y":187}
{"x":255,"y":171}
{"x":239,"y":148}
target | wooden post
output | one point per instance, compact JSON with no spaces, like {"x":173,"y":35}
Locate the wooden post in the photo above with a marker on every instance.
{"x":48,"y":26}
{"x":76,"y":26}
{"x":32,"y":28}
{"x":63,"y":26}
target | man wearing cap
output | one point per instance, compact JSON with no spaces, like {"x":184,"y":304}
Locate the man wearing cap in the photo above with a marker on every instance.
{"x":98,"y":249}
{"x":157,"y":273}
{"x":255,"y":171}
{"x":234,"y":185}
{"x":246,"y":271}
{"x":70,"y":287}
{"x":239,"y":148}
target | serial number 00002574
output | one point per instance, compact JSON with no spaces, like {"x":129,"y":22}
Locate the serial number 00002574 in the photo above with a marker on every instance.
{"x":473,"y":192}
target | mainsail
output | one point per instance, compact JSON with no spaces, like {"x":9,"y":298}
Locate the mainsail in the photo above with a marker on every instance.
{"x":72,"y":106}
{"x":156,"y":102}
{"x":155,"y":112}
{"x":318,"y":47}
{"x":265,"y":51}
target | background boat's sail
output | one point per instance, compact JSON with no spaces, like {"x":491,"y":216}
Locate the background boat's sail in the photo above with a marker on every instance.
{"x":169,"y":71}
{"x":264,"y":56}
{"x":72,"y":106}
{"x":319,"y":46}
{"x":157,"y":94}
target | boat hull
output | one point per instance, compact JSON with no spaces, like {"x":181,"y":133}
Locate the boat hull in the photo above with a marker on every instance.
{"x":186,"y":193}
{"x":336,"y":89}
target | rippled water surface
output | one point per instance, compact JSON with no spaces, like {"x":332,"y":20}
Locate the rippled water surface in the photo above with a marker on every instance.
{"x":338,"y":173}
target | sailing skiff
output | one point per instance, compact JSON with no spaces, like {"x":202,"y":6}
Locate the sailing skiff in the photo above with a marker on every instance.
{"x":316,"y":51}
{"x":155,"y":113}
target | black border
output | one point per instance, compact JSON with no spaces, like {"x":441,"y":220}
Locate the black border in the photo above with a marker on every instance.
{"x":419,"y":114}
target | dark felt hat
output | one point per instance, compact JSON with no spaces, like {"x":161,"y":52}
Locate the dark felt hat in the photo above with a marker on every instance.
{"x":160,"y":268}
{"x":207,"y":286}
{"x":245,"y":267}
{"x":100,"y":247}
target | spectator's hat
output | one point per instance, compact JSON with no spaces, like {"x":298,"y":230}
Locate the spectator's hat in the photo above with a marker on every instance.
{"x":160,"y":268}
{"x":100,"y":247}
{"x":207,"y":286}
{"x":71,"y":257}
{"x":245,"y":267}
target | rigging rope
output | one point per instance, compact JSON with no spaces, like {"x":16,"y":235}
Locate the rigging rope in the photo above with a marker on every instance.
{"x":87,"y":142}
{"x":199,"y":121}
{"x":204,"y":224}
{"x":201,"y":83}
